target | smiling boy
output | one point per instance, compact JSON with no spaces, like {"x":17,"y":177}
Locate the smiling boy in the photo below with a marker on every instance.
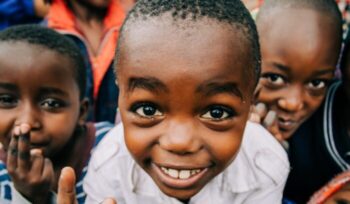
{"x":187,"y":72}
{"x":300,"y":52}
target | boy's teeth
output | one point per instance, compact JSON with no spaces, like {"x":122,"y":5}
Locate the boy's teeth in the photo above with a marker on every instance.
{"x":165,"y":170}
{"x":193,"y":172}
{"x":180,"y":174}
{"x":184,"y":174}
{"x":173,"y":173}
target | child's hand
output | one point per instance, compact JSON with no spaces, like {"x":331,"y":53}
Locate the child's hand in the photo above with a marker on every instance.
{"x":66,"y":188}
{"x":268,"y":118}
{"x":31,"y":173}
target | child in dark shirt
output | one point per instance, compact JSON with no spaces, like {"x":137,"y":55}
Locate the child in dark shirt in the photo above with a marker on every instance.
{"x":300,"y":44}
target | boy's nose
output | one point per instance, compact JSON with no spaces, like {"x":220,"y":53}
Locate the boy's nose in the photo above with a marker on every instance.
{"x":293,"y":101}
{"x":29,"y":115}
{"x":180,"y":138}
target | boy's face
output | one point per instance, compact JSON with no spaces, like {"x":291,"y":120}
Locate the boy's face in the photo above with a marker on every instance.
{"x":184,"y":100}
{"x":298,"y":60}
{"x":37,"y":88}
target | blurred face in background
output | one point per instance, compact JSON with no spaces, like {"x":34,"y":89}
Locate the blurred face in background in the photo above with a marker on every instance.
{"x":298,"y":62}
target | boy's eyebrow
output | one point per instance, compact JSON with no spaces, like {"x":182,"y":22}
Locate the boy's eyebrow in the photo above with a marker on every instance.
{"x":213,"y":88}
{"x":51,"y":90}
{"x":8,"y":86}
{"x":281,"y":67}
{"x":324,"y":71}
{"x":148,"y":83}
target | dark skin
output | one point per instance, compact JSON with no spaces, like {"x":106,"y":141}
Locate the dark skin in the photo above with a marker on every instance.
{"x":89,"y":17}
{"x":296,"y":68}
{"x":183,"y":128}
{"x":66,"y":188}
{"x":197,"y":126}
{"x":342,"y":196}
{"x":40,"y":116}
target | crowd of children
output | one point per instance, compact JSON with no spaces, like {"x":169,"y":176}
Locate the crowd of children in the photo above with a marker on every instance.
{"x":215,"y":107}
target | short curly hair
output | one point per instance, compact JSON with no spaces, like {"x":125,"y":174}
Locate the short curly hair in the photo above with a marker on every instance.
{"x":231,"y":12}
{"x":50,"y":39}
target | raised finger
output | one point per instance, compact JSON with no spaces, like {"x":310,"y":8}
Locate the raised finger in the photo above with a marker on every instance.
{"x":12,"y":151}
{"x":270,"y":120}
{"x":23,"y":159}
{"x":66,"y":187}
{"x":109,"y":201}
{"x":37,"y":160}
{"x":253,"y":117}
{"x":48,"y":172}
{"x":261,"y":110}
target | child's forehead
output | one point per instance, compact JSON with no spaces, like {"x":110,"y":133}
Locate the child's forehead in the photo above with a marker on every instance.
{"x":170,"y":53}
{"x":162,"y":33}
{"x":290,"y":27}
{"x":22,"y":47}
{"x":19,"y":53}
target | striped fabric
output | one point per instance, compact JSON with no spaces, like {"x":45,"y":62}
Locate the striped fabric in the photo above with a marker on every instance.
{"x":328,"y":128}
{"x":5,"y":181}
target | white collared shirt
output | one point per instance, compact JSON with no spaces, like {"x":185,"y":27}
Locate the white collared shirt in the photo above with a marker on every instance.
{"x":257,"y":175}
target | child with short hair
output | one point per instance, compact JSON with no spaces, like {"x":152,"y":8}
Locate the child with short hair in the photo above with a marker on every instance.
{"x":187,"y":71}
{"x":94,"y":26}
{"x":334,"y":145}
{"x":43,"y":110}
{"x":300,"y":45}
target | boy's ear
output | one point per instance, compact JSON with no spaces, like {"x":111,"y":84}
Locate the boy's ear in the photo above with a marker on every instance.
{"x":83,"y":112}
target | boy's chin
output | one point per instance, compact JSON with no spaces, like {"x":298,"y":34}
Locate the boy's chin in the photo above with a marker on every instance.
{"x":180,"y":194}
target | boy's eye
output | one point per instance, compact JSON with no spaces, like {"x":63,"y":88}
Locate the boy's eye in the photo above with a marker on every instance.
{"x":218,"y":113}
{"x":7,"y":101}
{"x":146,"y":110}
{"x":51,"y":103}
{"x":275,"y":79}
{"x":317,"y":84}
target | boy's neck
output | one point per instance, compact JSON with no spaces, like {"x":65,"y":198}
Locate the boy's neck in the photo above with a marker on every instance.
{"x":90,"y":23}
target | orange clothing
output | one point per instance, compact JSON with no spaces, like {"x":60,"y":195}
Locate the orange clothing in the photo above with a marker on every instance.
{"x":62,"y":19}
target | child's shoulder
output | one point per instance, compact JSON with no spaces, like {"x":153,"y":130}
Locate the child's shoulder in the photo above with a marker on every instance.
{"x":261,"y":160}
{"x":111,"y":147}
{"x":257,"y":140}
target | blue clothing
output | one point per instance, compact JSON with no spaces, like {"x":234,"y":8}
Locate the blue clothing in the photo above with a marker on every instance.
{"x":319,"y":149}
{"x":13,"y":12}
{"x":101,"y":130}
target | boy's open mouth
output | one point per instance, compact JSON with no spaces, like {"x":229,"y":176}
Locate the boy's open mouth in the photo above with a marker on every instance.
{"x":180,"y":174}
{"x":286,"y":124}
{"x":179,"y":178}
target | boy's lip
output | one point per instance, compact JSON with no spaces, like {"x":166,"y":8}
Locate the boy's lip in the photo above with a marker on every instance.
{"x":186,"y":176}
{"x":286,"y":124}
